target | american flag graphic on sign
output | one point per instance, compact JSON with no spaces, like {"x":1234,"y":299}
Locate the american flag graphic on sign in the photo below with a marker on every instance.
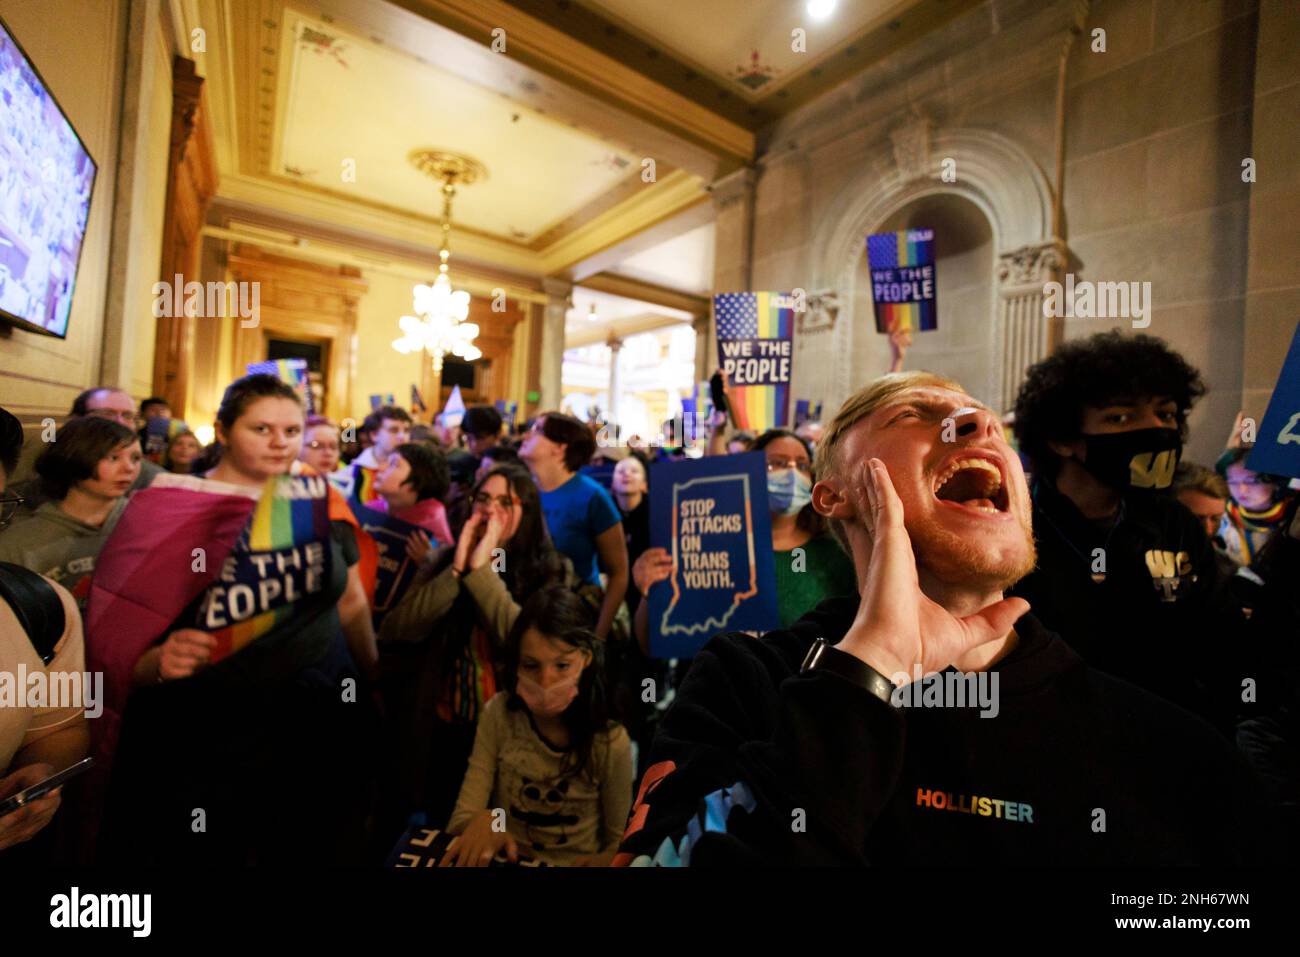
{"x":292,"y":371}
{"x":755,"y":345}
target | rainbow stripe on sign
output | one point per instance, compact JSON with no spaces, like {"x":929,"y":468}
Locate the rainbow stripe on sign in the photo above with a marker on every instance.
{"x":755,"y":345}
{"x":279,"y":563}
{"x":903,"y":283}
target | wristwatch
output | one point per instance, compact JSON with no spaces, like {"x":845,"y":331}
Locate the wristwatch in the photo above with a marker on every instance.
{"x":823,"y":656}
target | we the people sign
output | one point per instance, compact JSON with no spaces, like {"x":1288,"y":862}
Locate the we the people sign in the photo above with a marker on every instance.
{"x":756,"y":348}
{"x":903,"y":284}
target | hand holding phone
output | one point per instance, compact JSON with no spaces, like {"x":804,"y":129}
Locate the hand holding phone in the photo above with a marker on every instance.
{"x":28,"y":799}
{"x":35,"y":782}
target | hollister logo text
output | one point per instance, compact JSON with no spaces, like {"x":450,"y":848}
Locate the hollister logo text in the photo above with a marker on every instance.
{"x":975,"y":804}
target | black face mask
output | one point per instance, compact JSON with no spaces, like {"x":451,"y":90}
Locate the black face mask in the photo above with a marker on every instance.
{"x":1144,"y":459}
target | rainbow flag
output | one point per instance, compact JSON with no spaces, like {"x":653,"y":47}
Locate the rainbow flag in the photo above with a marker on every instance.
{"x":280,"y":562}
{"x":903,"y":284}
{"x":292,"y":371}
{"x":363,"y":484}
{"x":755,"y":343}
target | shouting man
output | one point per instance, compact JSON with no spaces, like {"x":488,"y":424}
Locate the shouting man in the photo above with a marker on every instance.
{"x":841,"y":741}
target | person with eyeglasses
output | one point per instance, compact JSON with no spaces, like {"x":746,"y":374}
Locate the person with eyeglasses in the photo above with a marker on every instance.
{"x":810,"y":565}
{"x":439,"y":649}
{"x":320,"y":444}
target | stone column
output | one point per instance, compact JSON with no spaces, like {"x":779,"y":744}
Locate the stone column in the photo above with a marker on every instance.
{"x":552,"y":359}
{"x":1024,"y":334}
{"x":733,"y":237}
{"x":615,"y":381}
{"x":703,"y":327}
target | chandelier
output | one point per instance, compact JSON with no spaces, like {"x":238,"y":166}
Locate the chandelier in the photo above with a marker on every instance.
{"x":438,"y":326}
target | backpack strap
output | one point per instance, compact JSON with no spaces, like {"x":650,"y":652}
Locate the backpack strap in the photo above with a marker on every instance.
{"x":36,"y":605}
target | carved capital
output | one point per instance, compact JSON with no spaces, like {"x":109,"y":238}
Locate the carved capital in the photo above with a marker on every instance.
{"x":559,"y":292}
{"x":823,"y":309}
{"x":1031,"y":265}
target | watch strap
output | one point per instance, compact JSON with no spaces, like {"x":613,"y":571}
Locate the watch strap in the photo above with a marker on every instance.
{"x":823,"y":656}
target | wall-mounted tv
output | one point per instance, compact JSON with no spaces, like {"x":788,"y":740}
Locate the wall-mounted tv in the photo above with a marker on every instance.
{"x":47,"y":178}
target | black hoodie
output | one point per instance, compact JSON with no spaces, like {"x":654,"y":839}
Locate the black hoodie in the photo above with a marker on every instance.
{"x":758,"y":764}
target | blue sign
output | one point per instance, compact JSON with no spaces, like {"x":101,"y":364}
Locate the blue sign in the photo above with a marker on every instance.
{"x":1277,"y":443}
{"x":711,"y":514}
{"x":395,"y":571}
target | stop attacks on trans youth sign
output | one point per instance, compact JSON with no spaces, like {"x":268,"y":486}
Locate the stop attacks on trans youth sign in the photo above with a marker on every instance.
{"x":711,"y":515}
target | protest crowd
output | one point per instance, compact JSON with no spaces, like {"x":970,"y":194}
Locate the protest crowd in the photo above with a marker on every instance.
{"x":316,"y":639}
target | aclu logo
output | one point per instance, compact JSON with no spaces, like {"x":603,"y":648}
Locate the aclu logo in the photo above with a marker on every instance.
{"x":103,"y":910}
{"x":1098,"y":300}
{"x":215,"y":300}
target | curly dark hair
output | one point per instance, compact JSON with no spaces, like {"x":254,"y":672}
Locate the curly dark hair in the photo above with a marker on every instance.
{"x":1097,"y":371}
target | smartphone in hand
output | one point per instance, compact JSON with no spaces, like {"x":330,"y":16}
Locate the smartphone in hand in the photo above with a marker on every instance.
{"x":41,"y":788}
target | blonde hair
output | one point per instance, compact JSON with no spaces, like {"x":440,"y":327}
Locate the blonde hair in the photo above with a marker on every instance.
{"x":856,"y":408}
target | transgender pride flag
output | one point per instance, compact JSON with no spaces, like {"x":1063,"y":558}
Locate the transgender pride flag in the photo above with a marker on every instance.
{"x":903,"y":280}
{"x":755,"y":345}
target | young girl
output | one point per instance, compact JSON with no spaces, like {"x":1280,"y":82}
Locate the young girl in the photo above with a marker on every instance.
{"x":441,"y":644}
{"x":546,"y":753}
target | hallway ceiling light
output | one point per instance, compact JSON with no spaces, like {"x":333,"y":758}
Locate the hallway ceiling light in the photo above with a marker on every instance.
{"x":439,"y":325}
{"x":820,"y":9}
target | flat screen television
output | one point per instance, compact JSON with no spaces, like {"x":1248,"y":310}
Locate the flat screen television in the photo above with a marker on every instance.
{"x":47,"y":178}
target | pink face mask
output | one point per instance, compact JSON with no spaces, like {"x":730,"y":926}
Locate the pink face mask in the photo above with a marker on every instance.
{"x":551,"y":701}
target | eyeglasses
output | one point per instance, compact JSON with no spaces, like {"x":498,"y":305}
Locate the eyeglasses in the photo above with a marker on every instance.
{"x":8,"y":508}
{"x":776,"y":465}
{"x":505,"y":501}
{"x":331,"y":447}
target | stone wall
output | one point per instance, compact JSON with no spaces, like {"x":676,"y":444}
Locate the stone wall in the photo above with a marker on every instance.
{"x":1156,"y":129}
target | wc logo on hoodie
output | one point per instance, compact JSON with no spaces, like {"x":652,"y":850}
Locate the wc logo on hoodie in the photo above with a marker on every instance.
{"x":1170,"y":571}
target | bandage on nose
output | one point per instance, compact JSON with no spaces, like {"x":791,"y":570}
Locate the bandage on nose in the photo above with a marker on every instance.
{"x":971,"y":424}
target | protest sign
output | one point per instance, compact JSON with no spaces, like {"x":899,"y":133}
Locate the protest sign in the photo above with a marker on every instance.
{"x":395,"y":570}
{"x":903,"y":283}
{"x":292,"y":371}
{"x":1277,"y":445}
{"x":711,"y":515}
{"x":755,"y":345}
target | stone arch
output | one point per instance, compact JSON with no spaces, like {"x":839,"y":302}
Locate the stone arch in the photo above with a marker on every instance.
{"x":997,"y":176}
